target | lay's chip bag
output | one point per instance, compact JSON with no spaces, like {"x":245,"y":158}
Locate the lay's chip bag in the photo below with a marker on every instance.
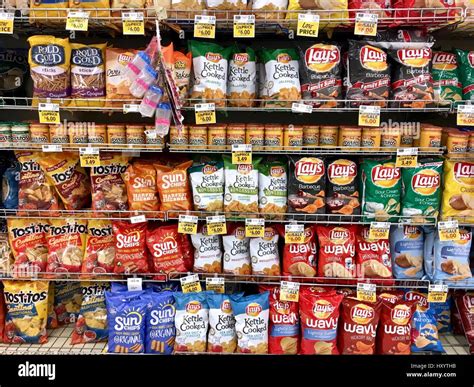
{"x":458,"y":190}
{"x":160,"y":329}
{"x":443,"y":314}
{"x":424,"y":332}
{"x":27,"y":311}
{"x":222,"y":336}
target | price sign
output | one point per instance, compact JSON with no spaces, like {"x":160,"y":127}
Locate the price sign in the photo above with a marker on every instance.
{"x":308,"y":25}
{"x":6,"y":22}
{"x":77,"y":21}
{"x":407,"y":157}
{"x":133,"y":23}
{"x":187,"y":224}
{"x":48,"y":113}
{"x":52,"y":148}
{"x":244,"y":26}
{"x":379,"y":230}
{"x":437,"y":293}
{"x":216,"y":225}
{"x":241,"y":153}
{"x":366,"y":24}
{"x":301,"y":108}
{"x":289,"y":291}
{"x":449,"y":231}
{"x":131,"y":108}
{"x":369,"y":116}
{"x":254,"y":228}
{"x":190,"y":284}
{"x":137,"y":219}
{"x":366,"y":292}
{"x":89,"y":157}
{"x":465,"y":115}
{"x":216,"y":284}
{"x":134,"y":284}
{"x":204,"y":26}
{"x":294,"y":233}
{"x":205,"y":113}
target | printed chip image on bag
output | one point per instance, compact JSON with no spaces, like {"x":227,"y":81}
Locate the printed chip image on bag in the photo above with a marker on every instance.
{"x":337,"y":8}
{"x":241,"y":80}
{"x":407,"y":248}
{"x":91,"y":325}
{"x":373,"y":258}
{"x":251,"y":311}
{"x":130,"y":247}
{"x":6,"y":253}
{"x":207,"y":251}
{"x":67,"y":301}
{"x":27,"y":311}
{"x":320,"y":74}
{"x":381,"y":8}
{"x":182,"y":73}
{"x":222,"y":337}
{"x":236,"y":259}
{"x":342,"y":195}
{"x":458,"y":190}
{"x":207,"y":181}
{"x":140,"y":181}
{"x":264,"y":253}
{"x":424,"y":332}
{"x":160,"y":329}
{"x":116,"y":83}
{"x":465,"y":310}
{"x":100,"y":248}
{"x":269,"y":5}
{"x":272,"y":188}
{"x":299,"y":259}
{"x":446,"y":82}
{"x":319,"y":316}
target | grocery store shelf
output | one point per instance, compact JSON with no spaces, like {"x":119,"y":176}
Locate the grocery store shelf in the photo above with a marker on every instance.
{"x":32,"y":275}
{"x":80,"y":214}
{"x":125,"y":148}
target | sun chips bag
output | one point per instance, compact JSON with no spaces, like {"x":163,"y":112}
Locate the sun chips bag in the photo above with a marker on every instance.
{"x":160,"y":329}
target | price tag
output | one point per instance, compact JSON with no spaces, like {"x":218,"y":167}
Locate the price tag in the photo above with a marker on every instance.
{"x":131,"y":108}
{"x":294,"y":233}
{"x":407,"y":157}
{"x":187,"y":224}
{"x":134,"y":284}
{"x":52,"y":148}
{"x":379,"y":230}
{"x":216,"y":225}
{"x":289,"y":291}
{"x":133,"y":23}
{"x":308,"y":25}
{"x":137,"y":219}
{"x":190,"y":284}
{"x":449,"y":231}
{"x":205,"y":26}
{"x":437,"y":293}
{"x":465,"y":115}
{"x":366,"y":292}
{"x":254,"y":228}
{"x":89,"y":157}
{"x":244,"y":26}
{"x":6,"y":22}
{"x":205,"y":113}
{"x":77,"y":21}
{"x":369,"y":116}
{"x":216,"y":283}
{"x":366,"y":24}
{"x":301,"y":108}
{"x":48,"y":113}
{"x":241,"y":153}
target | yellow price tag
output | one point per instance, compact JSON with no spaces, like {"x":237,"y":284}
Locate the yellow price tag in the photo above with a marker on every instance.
{"x":244,"y":26}
{"x":254,"y":228}
{"x":241,"y":153}
{"x":90,"y":160}
{"x":77,"y":21}
{"x":191,"y":284}
{"x":465,"y":115}
{"x":133,"y":23}
{"x":366,"y":292}
{"x":449,"y":231}
{"x":379,"y":230}
{"x":6,"y":22}
{"x":289,"y":291}
{"x":216,"y":284}
{"x":369,"y":116}
{"x":48,"y":113}
{"x":366,"y":24}
{"x":216,"y":225}
{"x":294,"y":233}
{"x":205,"y":113}
{"x":407,"y":157}
{"x":437,"y":293}
{"x":205,"y":26}
{"x":308,"y":25}
{"x":187,"y":224}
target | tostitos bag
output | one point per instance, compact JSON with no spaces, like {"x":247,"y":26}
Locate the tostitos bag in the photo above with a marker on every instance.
{"x":100,"y":248}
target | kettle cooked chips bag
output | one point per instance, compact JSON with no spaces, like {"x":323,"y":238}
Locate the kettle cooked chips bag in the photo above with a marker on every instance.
{"x":207,"y":181}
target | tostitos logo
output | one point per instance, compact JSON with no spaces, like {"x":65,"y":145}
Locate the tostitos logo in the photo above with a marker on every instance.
{"x":213,"y":57}
{"x":342,"y":172}
{"x":414,"y":57}
{"x":385,"y":175}
{"x":322,"y":58}
{"x":362,"y":314}
{"x":444,"y":61}
{"x":373,"y":58}
{"x":323,"y":309}
{"x":253,"y":309}
{"x":401,"y":314}
{"x":426,"y":182}
{"x":309,"y":170}
{"x":193,"y":307}
{"x":464,"y":173}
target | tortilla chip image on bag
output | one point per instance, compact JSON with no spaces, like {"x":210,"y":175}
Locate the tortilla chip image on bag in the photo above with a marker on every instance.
{"x":222,"y":337}
{"x":100,"y":248}
{"x":236,"y":259}
{"x":67,"y":301}
{"x":207,"y":181}
{"x":407,"y":248}
{"x":27,"y":311}
{"x":272,"y":188}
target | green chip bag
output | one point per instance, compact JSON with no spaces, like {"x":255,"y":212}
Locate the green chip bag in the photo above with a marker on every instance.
{"x":447,"y":87}
{"x":466,"y":73}
{"x":422,"y":188}
{"x":273,"y":184}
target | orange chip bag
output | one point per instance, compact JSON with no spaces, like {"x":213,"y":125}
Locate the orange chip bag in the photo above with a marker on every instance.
{"x":68,"y":177}
{"x":100,"y":248}
{"x":182,"y":72}
{"x":66,"y":242}
{"x":173,"y":187}
{"x":140,"y":179}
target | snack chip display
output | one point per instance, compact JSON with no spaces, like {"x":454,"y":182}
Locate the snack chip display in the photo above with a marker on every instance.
{"x":424,"y":332}
{"x":443,"y":314}
{"x":67,"y":301}
{"x":207,"y":181}
{"x":338,"y":10}
{"x":272,"y":183}
{"x":241,"y":80}
{"x":342,"y":191}
{"x":407,"y":248}
{"x":264,"y":253}
{"x":465,"y":307}
{"x":373,"y":259}
{"x":445,"y":72}
{"x":100,"y":248}
{"x":160,"y":329}
{"x":130,"y":247}
{"x":182,"y":72}
{"x":319,"y":316}
{"x":6,"y":254}
{"x":222,"y":337}
{"x":140,"y":181}
{"x":269,"y":5}
{"x":458,"y":190}
{"x":116,"y":83}
{"x":466,"y":73}
{"x":299,"y":259}
{"x":191,"y":321}
{"x":251,"y":311}
{"x":236,"y":258}
{"x":27,"y":311}
{"x":207,"y":251}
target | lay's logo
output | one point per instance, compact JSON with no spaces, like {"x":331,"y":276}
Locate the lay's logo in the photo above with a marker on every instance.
{"x":226,"y":307}
{"x":401,"y":314}
{"x":464,"y":172}
{"x":339,"y":233}
{"x":193,"y":307}
{"x":444,"y":61}
{"x":309,"y":170}
{"x":362,"y":313}
{"x":240,"y":233}
{"x":373,"y":58}
{"x":124,"y":58}
{"x":342,"y":172}
{"x":470,"y":58}
{"x":209,"y":169}
{"x":322,"y":57}
{"x":414,"y":57}
{"x":420,"y":298}
{"x":323,"y":309}
{"x":277,"y":171}
{"x":253,"y":309}
{"x":283,"y":58}
{"x":241,"y":58}
{"x":386,"y":175}
{"x":465,"y":236}
{"x":426,"y":182}
{"x":213,"y":57}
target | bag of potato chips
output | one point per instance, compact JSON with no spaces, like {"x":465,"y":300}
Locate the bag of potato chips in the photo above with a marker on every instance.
{"x":27,"y":311}
{"x":140,"y":180}
{"x":458,"y":191}
{"x":446,"y":84}
{"x":207,"y":251}
{"x":241,"y":81}
{"x":373,"y":259}
{"x":272,"y":188}
{"x":207,"y":181}
{"x":299,"y":259}
{"x":407,"y":248}
{"x":182,"y":73}
{"x":264,"y":253}
{"x":236,"y":250}
{"x":222,"y":337}
{"x":160,"y":329}
{"x":116,"y":83}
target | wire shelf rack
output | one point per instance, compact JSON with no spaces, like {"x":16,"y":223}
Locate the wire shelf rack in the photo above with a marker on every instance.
{"x":125,"y":148}
{"x":81,"y":214}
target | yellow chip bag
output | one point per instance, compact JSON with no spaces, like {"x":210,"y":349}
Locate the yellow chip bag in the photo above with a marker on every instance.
{"x":27,"y":311}
{"x":52,"y":10}
{"x":97,"y":8}
{"x":338,"y":10}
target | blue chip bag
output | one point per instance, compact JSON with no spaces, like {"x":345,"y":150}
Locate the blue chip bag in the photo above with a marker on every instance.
{"x":443,"y":314}
{"x":428,"y":259}
{"x":67,"y":301}
{"x":160,"y":328}
{"x":126,"y":313}
{"x":163,"y":286}
{"x":117,"y":287}
{"x":10,"y":180}
{"x":424,"y":332}
{"x":407,"y":248}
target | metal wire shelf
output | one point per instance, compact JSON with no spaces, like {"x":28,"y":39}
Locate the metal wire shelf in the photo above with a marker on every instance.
{"x":80,"y":214}
{"x":32,"y":275}
{"x":125,"y":148}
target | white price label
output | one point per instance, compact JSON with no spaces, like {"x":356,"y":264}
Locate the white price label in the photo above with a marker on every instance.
{"x":89,"y":151}
{"x":469,"y":109}
{"x":438,"y":288}
{"x":301,"y":108}
{"x":134,"y":284}
{"x":204,"y":19}
{"x":244,"y":19}
{"x":204,"y":107}
{"x":217,"y":284}
{"x":215,"y":219}
{"x":407,"y":152}
{"x":190,"y":284}
{"x":367,"y":17}
{"x":255,"y":222}
{"x":52,"y":148}
{"x":50,"y":107}
{"x":241,"y":147}
{"x":294,"y":228}
{"x":137,"y":219}
{"x":134,"y":16}
{"x":131,"y":108}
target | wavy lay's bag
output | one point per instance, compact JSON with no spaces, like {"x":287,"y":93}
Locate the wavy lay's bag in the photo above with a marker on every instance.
{"x":373,"y":257}
{"x":446,"y":83}
{"x":67,"y":301}
{"x":299,"y":259}
{"x":222,"y":337}
{"x":100,"y":248}
{"x":27,"y":311}
{"x":458,"y":190}
{"x":160,"y":328}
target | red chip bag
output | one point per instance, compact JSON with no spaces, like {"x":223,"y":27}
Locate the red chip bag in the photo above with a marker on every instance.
{"x":100,"y":248}
{"x":315,"y":289}
{"x":421,"y":299}
{"x":455,"y":315}
{"x":391,"y":296}
{"x":130,"y":247}
{"x":347,"y":292}
{"x":373,"y":259}
{"x":358,"y":326}
{"x":379,"y":7}
{"x":3,"y":313}
{"x":394,"y":331}
{"x":409,"y":10}
{"x":336,"y":251}
{"x":164,"y":245}
{"x":465,"y":307}
{"x":299,"y":259}
{"x":319,"y":315}
{"x":188,"y":252}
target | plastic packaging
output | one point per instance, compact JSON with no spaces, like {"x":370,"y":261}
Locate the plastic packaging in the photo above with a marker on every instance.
{"x":141,"y":84}
{"x":150,"y":101}
{"x":162,"y":118}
